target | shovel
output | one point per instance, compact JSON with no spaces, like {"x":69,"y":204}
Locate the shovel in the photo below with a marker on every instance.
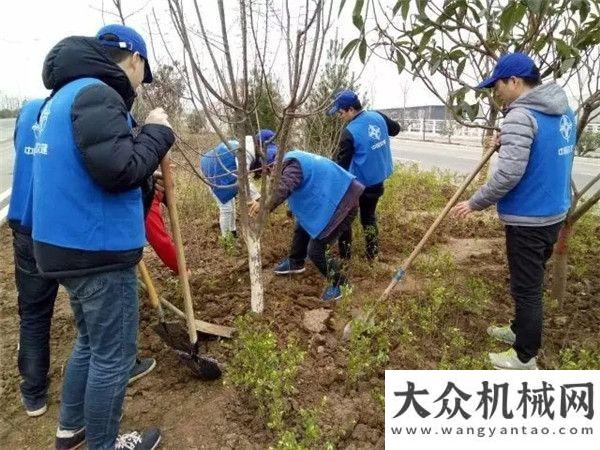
{"x":203,"y":367}
{"x":399,"y":275}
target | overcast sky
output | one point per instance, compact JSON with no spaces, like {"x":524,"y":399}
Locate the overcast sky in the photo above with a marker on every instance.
{"x":28,"y":29}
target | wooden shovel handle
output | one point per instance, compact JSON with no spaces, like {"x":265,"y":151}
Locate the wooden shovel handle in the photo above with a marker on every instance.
{"x":407,"y":262}
{"x":181,"y":264}
{"x":152,"y":294}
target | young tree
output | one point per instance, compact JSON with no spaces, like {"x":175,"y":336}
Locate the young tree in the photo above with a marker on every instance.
{"x":321,"y":133}
{"x":167,"y":89}
{"x":451,"y":46}
{"x":246,"y":39}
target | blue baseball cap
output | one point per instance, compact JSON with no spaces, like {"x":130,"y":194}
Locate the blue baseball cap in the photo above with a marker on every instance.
{"x":265,"y":135}
{"x":128,"y":39}
{"x":344,"y":99}
{"x":511,"y":65}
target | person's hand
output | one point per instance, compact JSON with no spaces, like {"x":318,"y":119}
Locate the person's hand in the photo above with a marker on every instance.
{"x":497,"y":142}
{"x":158,"y":116}
{"x":159,"y":181}
{"x":462,"y":209}
{"x":253,"y":208}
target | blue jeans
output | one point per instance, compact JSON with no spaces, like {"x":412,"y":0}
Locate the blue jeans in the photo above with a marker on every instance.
{"x":105,"y":307}
{"x":36,"y":296}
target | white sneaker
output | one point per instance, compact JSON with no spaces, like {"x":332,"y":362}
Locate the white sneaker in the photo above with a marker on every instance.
{"x":509,"y":360}
{"x":503,"y":334}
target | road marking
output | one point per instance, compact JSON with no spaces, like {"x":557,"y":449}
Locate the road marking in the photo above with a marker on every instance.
{"x":5,"y":195}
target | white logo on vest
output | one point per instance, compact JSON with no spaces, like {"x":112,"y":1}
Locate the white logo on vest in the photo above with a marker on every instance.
{"x":565,"y":127}
{"x":374,"y":132}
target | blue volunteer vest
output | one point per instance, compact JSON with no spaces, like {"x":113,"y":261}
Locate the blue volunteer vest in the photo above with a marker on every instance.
{"x":372,"y":160}
{"x":323,"y":186}
{"x":24,"y":143}
{"x":216,"y":165}
{"x":545,"y":188}
{"x":70,"y":209}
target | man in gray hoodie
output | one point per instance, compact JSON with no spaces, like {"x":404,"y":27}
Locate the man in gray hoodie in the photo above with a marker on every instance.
{"x":531,"y":188}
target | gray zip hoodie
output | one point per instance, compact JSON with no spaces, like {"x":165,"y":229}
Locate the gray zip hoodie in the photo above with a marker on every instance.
{"x":516,"y":137}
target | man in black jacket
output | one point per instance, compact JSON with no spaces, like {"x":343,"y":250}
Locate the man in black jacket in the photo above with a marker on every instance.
{"x":88,"y":227}
{"x":364,"y":150}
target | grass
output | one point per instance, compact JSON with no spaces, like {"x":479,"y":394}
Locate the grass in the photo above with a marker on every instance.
{"x":579,"y":359}
{"x":416,"y":190}
{"x":264,"y":370}
{"x":584,"y":241}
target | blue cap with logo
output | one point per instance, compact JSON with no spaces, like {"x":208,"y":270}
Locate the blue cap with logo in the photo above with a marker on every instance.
{"x":127,"y":39}
{"x":511,"y":65}
{"x":344,"y":99}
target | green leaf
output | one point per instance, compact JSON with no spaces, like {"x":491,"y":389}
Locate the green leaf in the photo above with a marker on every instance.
{"x":475,"y":14}
{"x":535,"y":6}
{"x":460,"y":68}
{"x":434,"y":63}
{"x":456,"y":54}
{"x":588,"y":36}
{"x":448,"y":12}
{"x":425,"y":40}
{"x":400,"y":62}
{"x":357,"y":19}
{"x":539,"y":44}
{"x":584,"y":10}
{"x":362,"y":50}
{"x":342,"y":3}
{"x":396,"y":7}
{"x":564,"y":50}
{"x":421,"y":4}
{"x":566,"y":65}
{"x":405,"y":9}
{"x":349,"y":47}
{"x":473,"y":111}
{"x":512,"y":15}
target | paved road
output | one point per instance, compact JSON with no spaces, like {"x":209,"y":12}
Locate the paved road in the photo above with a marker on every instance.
{"x":463,"y":158}
{"x":456,"y":158}
{"x":6,"y":157}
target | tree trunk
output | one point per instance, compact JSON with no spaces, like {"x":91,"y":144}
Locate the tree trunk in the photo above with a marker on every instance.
{"x":255,"y":268}
{"x":488,"y":142}
{"x":561,"y":256}
{"x":488,"y":139}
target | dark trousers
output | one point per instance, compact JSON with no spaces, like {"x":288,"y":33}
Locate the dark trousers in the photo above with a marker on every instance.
{"x":367,"y":204}
{"x":528,"y":249}
{"x":317,"y":250}
{"x":36,"y":296}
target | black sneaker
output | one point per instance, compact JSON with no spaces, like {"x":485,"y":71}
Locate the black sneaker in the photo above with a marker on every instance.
{"x":148,"y":440}
{"x":69,"y":440}
{"x":142,"y":367}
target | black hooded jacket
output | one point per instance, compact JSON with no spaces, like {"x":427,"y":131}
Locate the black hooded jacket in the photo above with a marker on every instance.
{"x":115,"y":159}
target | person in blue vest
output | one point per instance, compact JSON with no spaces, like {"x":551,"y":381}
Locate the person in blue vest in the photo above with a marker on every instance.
{"x":323,"y":198}
{"x":219,"y":166}
{"x":36,"y":295}
{"x":364,"y":150}
{"x":532,"y":192}
{"x":88,"y":224}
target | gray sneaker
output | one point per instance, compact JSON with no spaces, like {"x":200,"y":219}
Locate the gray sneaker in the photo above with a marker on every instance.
{"x":503,"y":334}
{"x":142,"y":367}
{"x":509,"y":360}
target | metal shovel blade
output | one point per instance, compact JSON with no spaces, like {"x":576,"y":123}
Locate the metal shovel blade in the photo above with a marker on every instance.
{"x":176,"y":337}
